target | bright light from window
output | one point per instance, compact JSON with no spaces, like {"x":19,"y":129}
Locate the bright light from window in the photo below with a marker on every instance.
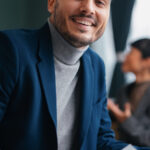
{"x":140,"y":25}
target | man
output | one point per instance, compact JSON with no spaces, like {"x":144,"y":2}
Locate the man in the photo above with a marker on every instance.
{"x":132,"y":104}
{"x":52,"y":96}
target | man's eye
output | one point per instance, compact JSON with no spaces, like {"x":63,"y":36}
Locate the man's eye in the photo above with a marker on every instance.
{"x":100,"y":2}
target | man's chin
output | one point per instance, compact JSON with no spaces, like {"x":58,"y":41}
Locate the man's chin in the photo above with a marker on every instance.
{"x":77,"y":40}
{"x":80,"y":43}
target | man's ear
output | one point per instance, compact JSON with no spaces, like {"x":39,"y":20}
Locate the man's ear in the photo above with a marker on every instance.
{"x":51,"y":4}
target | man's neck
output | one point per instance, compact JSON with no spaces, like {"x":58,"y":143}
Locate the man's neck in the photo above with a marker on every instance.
{"x":79,"y":48}
{"x":62,"y":50}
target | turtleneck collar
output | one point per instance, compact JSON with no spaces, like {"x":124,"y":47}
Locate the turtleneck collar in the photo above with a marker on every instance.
{"x":62,"y":50}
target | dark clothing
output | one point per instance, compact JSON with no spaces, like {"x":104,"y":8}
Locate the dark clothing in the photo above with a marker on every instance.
{"x":138,"y":90}
{"x":136,"y":129}
{"x":28,"y":96}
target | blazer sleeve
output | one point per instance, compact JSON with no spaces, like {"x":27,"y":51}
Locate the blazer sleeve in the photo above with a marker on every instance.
{"x":8,"y":72}
{"x":106,"y":138}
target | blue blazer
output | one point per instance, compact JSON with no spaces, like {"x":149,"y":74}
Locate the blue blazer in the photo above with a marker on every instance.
{"x":28,"y":95}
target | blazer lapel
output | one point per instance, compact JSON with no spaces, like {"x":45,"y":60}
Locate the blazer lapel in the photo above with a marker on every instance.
{"x":47,"y":76}
{"x":87,"y":96}
{"x":47,"y":72}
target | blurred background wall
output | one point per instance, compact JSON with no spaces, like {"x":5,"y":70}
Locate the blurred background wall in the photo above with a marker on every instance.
{"x":128,"y":21}
{"x":22,"y":13}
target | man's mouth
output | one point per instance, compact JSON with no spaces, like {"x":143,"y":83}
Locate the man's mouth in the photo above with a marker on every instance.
{"x":84,"y":21}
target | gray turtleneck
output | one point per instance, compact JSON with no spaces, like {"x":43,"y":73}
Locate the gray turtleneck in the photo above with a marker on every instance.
{"x":67,"y":63}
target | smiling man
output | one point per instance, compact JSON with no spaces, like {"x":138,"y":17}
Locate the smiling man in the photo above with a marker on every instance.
{"x":80,"y":22}
{"x":52,"y":85}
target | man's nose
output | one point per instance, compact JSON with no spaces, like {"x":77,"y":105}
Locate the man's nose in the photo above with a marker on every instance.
{"x":87,"y":6}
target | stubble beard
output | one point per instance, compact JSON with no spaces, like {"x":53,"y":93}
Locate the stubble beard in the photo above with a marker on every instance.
{"x":60,"y":25}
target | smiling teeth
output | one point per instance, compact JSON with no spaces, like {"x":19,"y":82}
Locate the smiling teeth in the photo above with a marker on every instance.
{"x":84,"y":22}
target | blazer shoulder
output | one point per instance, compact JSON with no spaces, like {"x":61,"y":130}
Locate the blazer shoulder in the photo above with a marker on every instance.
{"x":98,"y":67}
{"x":94,"y":56}
{"x":96,"y":59}
{"x":19,"y":36}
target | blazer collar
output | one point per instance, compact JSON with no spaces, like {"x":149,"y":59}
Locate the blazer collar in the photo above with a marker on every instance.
{"x":46,"y":70}
{"x":47,"y":76}
{"x":87,"y":96}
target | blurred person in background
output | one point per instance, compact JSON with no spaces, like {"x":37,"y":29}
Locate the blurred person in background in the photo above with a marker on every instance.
{"x":132,"y":106}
